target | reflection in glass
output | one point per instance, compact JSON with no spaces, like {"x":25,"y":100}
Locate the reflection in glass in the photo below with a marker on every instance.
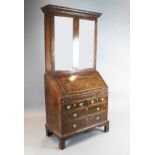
{"x":86,"y":43}
{"x":63,"y":43}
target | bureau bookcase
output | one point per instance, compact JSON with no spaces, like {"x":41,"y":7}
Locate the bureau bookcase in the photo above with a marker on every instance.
{"x":76,"y":96}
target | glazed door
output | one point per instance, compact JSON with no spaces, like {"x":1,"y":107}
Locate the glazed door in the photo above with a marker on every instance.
{"x":73,"y":43}
{"x":63,"y":43}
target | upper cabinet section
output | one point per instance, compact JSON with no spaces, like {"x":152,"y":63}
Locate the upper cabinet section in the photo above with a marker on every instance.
{"x":70,"y":39}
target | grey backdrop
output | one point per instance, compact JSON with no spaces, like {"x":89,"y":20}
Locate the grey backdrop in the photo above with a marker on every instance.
{"x":113,"y":45}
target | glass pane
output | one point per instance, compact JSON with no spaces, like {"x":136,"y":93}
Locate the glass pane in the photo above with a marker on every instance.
{"x":86,"y":43}
{"x":63,"y":43}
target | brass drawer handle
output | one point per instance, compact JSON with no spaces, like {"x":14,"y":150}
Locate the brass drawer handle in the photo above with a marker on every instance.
{"x":81,"y":104}
{"x":68,"y":107}
{"x":102,"y":99}
{"x":74,"y":105}
{"x":74,"y":125}
{"x":75,"y":115}
{"x":97,"y":118}
{"x":92,"y":101}
{"x":97,"y":108}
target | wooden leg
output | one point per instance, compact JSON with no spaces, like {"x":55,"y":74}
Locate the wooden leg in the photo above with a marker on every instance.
{"x":61,"y":143}
{"x":106,"y":127}
{"x":48,"y":133}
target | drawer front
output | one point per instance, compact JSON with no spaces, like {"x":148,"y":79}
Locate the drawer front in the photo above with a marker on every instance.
{"x":95,"y":108}
{"x":79,"y":98}
{"x":73,"y":126}
{"x":96,"y":118}
{"x":74,"y":106}
{"x":85,"y":103}
{"x":73,"y":114}
{"x":97,"y":100}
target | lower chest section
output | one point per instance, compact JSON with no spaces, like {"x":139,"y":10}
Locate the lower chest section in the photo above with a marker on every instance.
{"x":83,"y":112}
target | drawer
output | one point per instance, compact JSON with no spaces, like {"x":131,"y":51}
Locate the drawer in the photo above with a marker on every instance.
{"x":74,"y":105}
{"x":98,"y":99}
{"x":79,"y":98}
{"x":73,"y":126}
{"x":96,"y":118}
{"x":71,"y":115}
{"x":96,"y":108}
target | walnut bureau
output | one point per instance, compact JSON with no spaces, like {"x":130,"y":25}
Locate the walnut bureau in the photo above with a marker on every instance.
{"x":75,"y":100}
